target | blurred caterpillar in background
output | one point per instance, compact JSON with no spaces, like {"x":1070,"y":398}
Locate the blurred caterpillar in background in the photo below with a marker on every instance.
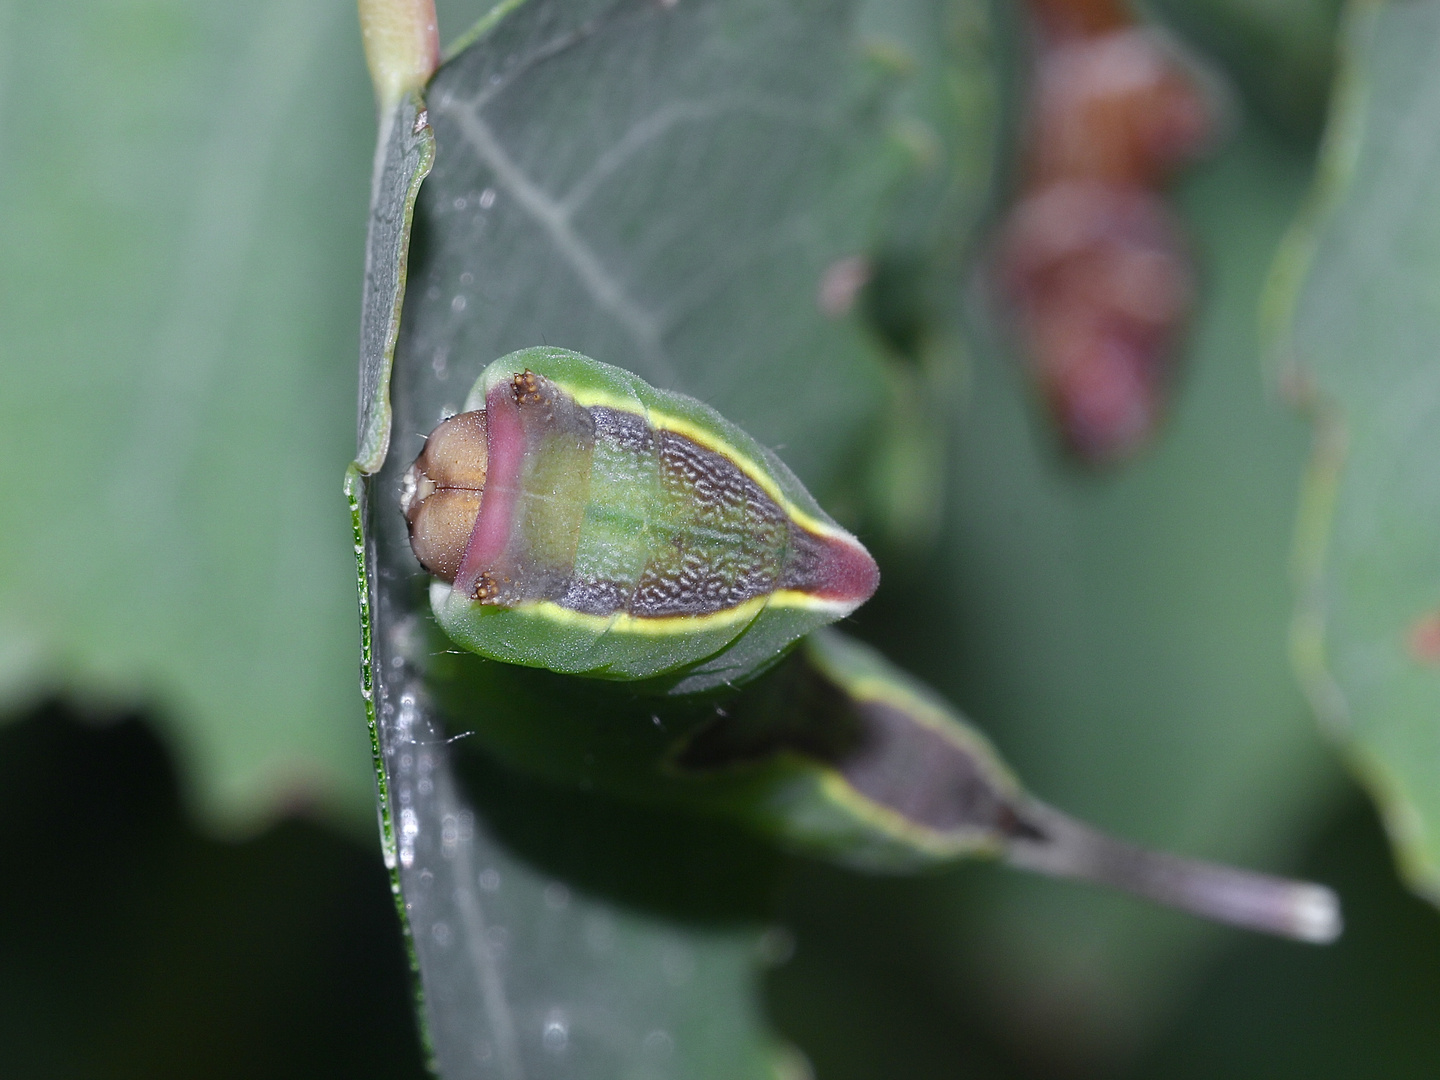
{"x":1092,"y":263}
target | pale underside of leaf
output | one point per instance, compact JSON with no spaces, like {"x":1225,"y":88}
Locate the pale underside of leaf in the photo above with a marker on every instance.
{"x":1356,"y":329}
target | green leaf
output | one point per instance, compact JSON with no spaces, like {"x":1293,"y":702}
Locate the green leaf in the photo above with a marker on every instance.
{"x":404,"y":156}
{"x":664,"y":188}
{"x":1358,"y":326}
{"x":182,"y":194}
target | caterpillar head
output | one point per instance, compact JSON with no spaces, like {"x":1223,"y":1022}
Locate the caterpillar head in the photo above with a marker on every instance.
{"x":442,"y":490}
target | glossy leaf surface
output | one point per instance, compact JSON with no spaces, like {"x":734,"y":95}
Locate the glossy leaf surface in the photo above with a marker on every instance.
{"x":664,"y":188}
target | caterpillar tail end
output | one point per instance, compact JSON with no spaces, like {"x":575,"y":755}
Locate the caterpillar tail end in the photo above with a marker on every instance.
{"x":1059,"y":846}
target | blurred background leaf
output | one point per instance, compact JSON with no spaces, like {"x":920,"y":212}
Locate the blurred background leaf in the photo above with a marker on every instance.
{"x":1122,"y":638}
{"x":182,"y":202}
{"x":1279,"y":53}
{"x":1356,"y":340}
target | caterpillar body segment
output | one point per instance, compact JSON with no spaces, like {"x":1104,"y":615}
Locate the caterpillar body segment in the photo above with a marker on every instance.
{"x":845,"y":756}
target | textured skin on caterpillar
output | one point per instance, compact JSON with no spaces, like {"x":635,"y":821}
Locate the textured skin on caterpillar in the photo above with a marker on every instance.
{"x":622,"y":531}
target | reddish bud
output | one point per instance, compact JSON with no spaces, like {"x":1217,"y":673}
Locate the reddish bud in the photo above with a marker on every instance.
{"x":1121,"y":108}
{"x":1099,"y":286}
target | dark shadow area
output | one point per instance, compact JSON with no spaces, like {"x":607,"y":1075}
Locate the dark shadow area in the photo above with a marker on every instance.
{"x":547,"y":790}
{"x":670,"y":862}
{"x":131,"y":946}
{"x":1280,"y":55}
{"x":1364,"y":1007}
{"x":862,"y":999}
{"x":858,"y":996}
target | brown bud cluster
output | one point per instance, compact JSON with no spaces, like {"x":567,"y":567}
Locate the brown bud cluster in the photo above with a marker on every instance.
{"x":1091,"y":260}
{"x":442,"y":490}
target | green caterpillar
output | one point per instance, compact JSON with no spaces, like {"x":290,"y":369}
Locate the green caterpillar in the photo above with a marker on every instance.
{"x":845,"y":756}
{"x":579,"y":520}
{"x":838,"y":754}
